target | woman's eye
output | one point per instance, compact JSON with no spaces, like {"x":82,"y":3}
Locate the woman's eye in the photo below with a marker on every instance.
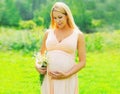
{"x":54,"y":17}
{"x":60,"y":17}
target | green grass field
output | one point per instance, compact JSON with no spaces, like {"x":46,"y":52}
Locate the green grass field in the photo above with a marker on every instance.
{"x":100,"y":76}
{"x":18,"y":75}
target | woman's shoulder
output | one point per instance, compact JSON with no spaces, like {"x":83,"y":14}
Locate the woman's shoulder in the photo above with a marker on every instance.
{"x":81,"y":36}
{"x":79,"y":32}
{"x":47,"y":32}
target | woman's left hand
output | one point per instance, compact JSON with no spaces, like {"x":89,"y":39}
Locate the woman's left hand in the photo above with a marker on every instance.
{"x":58,"y":75}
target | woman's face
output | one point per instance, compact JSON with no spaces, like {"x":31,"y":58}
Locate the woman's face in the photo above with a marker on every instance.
{"x":60,"y":19}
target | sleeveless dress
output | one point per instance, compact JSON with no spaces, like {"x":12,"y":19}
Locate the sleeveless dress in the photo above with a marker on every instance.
{"x":61,"y":57}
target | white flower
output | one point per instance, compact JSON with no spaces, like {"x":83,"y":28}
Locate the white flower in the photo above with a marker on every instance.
{"x":41,"y":59}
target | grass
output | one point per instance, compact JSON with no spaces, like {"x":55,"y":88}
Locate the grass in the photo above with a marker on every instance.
{"x":18,"y":75}
{"x":100,"y":76}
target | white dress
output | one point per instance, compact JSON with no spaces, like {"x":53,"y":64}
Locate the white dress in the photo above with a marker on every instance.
{"x":61,"y":57}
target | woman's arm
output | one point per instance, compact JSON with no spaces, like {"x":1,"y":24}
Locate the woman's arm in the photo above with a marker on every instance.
{"x":81,"y":54}
{"x":42,"y":51}
{"x":43,"y":46}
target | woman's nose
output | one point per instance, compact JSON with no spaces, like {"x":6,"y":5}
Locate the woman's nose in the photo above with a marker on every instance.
{"x":57,"y":20}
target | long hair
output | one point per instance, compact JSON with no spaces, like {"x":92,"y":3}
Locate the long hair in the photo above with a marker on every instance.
{"x":63,"y":8}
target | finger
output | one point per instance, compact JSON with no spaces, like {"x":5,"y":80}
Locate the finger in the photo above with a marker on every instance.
{"x":43,"y":72}
{"x":53,"y":75}
{"x":43,"y":68}
{"x":59,"y":73}
{"x":50,"y":73}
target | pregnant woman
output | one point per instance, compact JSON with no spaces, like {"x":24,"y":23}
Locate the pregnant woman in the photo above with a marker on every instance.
{"x":60,"y":43}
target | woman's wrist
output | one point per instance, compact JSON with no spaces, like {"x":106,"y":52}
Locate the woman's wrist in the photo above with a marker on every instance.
{"x":71,"y":71}
{"x":68,"y":74}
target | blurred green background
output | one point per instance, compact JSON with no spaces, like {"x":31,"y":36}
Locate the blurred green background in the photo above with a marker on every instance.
{"x":22,"y":25}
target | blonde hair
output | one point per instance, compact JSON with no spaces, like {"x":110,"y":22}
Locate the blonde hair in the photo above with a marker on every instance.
{"x":64,"y":9}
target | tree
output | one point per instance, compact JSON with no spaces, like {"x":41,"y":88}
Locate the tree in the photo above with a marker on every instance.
{"x":25,"y":9}
{"x":9,"y":14}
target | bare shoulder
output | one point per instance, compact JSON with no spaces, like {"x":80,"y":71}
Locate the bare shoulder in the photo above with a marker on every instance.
{"x":81,"y":40}
{"x":80,"y":35}
{"x":46,"y":33}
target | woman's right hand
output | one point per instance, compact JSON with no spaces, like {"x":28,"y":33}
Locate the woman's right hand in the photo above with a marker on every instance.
{"x":41,"y":70}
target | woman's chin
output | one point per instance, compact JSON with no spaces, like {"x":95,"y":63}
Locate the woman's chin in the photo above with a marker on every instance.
{"x":60,"y":27}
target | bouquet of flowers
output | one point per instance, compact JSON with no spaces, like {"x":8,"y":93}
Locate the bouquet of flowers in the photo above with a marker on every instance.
{"x":42,"y":61}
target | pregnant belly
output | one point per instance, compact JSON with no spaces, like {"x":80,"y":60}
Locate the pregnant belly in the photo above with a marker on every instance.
{"x":60,"y":61}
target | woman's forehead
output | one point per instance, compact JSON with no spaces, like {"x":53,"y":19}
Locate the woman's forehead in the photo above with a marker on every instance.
{"x":57,"y":13}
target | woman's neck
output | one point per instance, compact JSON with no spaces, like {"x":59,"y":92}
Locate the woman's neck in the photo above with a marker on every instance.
{"x":65,"y":28}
